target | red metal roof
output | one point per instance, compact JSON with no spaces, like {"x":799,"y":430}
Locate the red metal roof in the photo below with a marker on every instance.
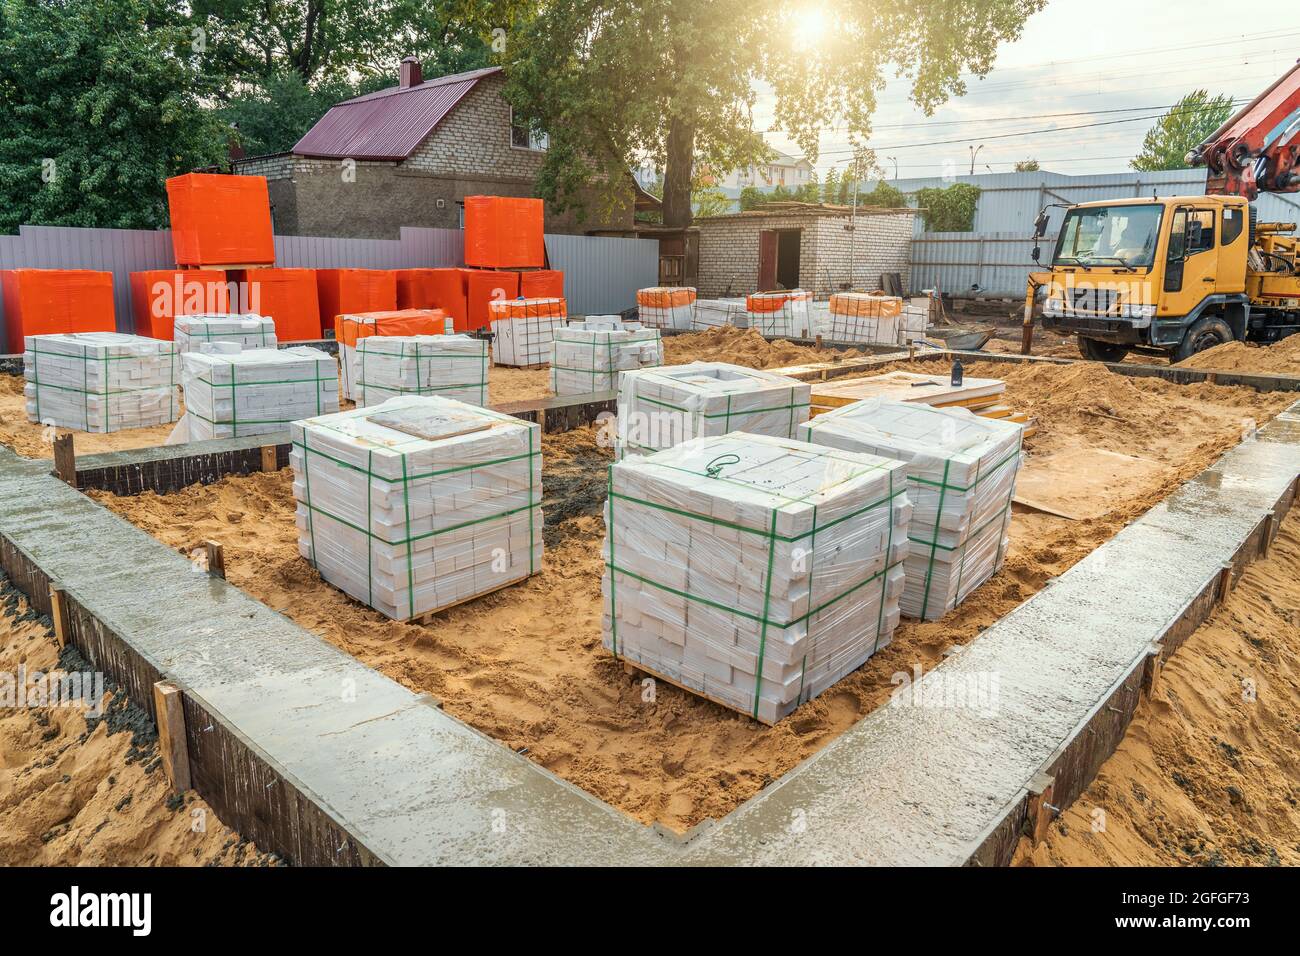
{"x":389,"y":124}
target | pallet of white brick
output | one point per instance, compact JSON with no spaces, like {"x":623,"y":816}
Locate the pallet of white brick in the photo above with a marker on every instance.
{"x":352,"y":328}
{"x":718,"y":313}
{"x":663,"y":407}
{"x":453,"y":366}
{"x":420,"y":503}
{"x":666,"y":307}
{"x":234,"y":393}
{"x":753,"y":571}
{"x":783,"y":314}
{"x":100,"y":381}
{"x":961,"y":473}
{"x":915,"y":320}
{"x":590,"y":360}
{"x":523,"y":330}
{"x":190,"y":332}
{"x":871,"y":318}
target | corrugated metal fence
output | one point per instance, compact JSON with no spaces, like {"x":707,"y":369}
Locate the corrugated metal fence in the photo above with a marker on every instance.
{"x":600,"y":275}
{"x":995,"y":255}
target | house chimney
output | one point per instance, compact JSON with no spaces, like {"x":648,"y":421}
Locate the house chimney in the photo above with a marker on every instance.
{"x":410,"y":73}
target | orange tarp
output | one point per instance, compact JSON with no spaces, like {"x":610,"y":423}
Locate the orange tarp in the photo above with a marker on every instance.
{"x":341,"y":291}
{"x":486,"y":287}
{"x":527,"y":309}
{"x":288,"y":296}
{"x":414,"y":288}
{"x":46,"y":301}
{"x":351,"y":328}
{"x":503,"y":232}
{"x":157,"y":297}
{"x":773,"y":301}
{"x":447,"y":288}
{"x":542,"y":284}
{"x":875,"y":305}
{"x":665,"y":297}
{"x":220,"y":220}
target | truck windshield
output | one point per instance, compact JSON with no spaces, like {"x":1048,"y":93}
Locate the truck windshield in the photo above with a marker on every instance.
{"x":1109,"y":235}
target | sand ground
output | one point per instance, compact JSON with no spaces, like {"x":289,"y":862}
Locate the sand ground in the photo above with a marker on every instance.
{"x":85,"y":791}
{"x":1209,"y":772}
{"x":525,"y":664}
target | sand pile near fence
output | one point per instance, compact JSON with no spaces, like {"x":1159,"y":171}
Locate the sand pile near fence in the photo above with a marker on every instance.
{"x":745,"y":347}
{"x":1280,"y":358}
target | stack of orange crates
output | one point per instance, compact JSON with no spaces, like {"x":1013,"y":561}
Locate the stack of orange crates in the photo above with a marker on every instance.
{"x":157,"y":297}
{"x":542,"y":284}
{"x":287,"y":296}
{"x":47,"y":301}
{"x":484,"y":287}
{"x":414,"y":288}
{"x":341,"y":291}
{"x":449,"y":292}
{"x":220,"y":220}
{"x":502,"y":232}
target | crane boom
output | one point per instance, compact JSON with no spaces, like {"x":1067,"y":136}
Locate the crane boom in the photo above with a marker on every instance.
{"x":1258,"y":149}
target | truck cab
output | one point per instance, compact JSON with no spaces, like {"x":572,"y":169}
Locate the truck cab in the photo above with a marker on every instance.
{"x":1164,"y":275}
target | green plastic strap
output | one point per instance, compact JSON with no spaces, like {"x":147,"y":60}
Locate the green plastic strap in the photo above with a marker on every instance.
{"x":884,"y":580}
{"x":613,"y":613}
{"x":410,"y":557}
{"x":767,"y":607}
{"x":938,"y":513}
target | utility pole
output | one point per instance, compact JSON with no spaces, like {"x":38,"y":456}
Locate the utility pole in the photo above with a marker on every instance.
{"x":974,"y":151}
{"x":894,"y":160}
{"x":853,"y":225}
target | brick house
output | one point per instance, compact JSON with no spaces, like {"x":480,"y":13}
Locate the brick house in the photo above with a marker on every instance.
{"x":408,"y":156}
{"x":809,"y":246}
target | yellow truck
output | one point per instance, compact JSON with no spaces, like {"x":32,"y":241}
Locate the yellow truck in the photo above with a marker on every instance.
{"x":1176,"y":275}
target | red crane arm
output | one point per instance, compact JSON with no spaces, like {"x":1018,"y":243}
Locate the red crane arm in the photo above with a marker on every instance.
{"x":1258,"y":149}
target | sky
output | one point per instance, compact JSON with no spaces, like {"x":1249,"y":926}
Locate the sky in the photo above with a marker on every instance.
{"x":1067,"y":62}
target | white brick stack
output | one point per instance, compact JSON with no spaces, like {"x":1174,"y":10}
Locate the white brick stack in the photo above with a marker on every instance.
{"x":419,"y":503}
{"x":523,"y":330}
{"x":190,"y":332}
{"x":754,"y":571}
{"x":233,"y":393}
{"x":915,"y":321}
{"x":961,"y":471}
{"x":453,"y":366}
{"x":780,"y":314}
{"x":100,"y":381}
{"x":350,"y":330}
{"x":589,"y":360}
{"x":717,"y":313}
{"x":666,"y":307}
{"x":663,"y":407}
{"x":869,"y":318}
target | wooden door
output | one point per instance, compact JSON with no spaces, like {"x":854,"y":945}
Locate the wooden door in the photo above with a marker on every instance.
{"x":767,"y":243}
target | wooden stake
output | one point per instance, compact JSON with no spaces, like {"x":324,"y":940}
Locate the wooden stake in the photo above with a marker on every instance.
{"x":269,"y":458}
{"x":1225,"y":584}
{"x":1040,"y":810}
{"x":59,"y":614}
{"x":168,"y":703}
{"x":1151,"y":669}
{"x":65,"y":459}
{"x":1270,"y":528}
{"x":216,"y":559}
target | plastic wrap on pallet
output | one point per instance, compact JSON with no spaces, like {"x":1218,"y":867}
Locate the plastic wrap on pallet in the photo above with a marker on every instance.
{"x":232,"y":392}
{"x":663,"y":407}
{"x":351,"y":328}
{"x":590,"y":360}
{"x":419,"y":503}
{"x":100,"y":381}
{"x":754,"y":571}
{"x":961,"y":472}
{"x":782,"y":314}
{"x":718,"y":313}
{"x":453,"y":366}
{"x":915,"y":320}
{"x":871,"y":318}
{"x":666,"y":307}
{"x":53,"y":301}
{"x":523,"y":330}
{"x":190,"y":332}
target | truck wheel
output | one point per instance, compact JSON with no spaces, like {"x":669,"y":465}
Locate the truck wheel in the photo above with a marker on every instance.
{"x":1102,"y":351}
{"x":1204,"y":334}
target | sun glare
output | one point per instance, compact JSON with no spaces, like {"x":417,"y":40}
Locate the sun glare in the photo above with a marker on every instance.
{"x":809,"y":27}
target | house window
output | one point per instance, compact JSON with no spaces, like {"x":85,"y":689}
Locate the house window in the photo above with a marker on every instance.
{"x":523,"y":136}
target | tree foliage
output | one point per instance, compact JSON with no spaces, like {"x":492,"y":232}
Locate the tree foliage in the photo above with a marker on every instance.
{"x":883,"y":194}
{"x":1181,"y":130}
{"x":100,"y":102}
{"x":614,"y":79}
{"x":274,"y":113}
{"x":1027,"y":166}
{"x":951,"y":209}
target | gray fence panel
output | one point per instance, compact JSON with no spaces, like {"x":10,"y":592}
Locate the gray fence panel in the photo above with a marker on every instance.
{"x":601,"y":275}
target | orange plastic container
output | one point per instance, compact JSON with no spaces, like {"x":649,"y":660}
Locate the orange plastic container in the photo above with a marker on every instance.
{"x":485,"y":287}
{"x":220,"y":220}
{"x":503,"y":232}
{"x":448,"y":291}
{"x":288,"y":296}
{"x":354,"y":290}
{"x":46,"y":301}
{"x":542,"y":284}
{"x":157,"y":297}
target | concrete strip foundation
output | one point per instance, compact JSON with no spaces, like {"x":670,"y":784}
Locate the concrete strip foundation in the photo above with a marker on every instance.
{"x":313,"y":755}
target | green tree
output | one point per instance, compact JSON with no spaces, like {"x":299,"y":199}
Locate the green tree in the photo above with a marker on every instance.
{"x":710,"y":201}
{"x":951,"y":209}
{"x":809,"y":192}
{"x":611,"y":79}
{"x":100,"y":102}
{"x":846,"y":190}
{"x":882,"y":194}
{"x":1181,"y":130}
{"x":273,"y":114}
{"x":831,"y":188}
{"x":1027,"y":166}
